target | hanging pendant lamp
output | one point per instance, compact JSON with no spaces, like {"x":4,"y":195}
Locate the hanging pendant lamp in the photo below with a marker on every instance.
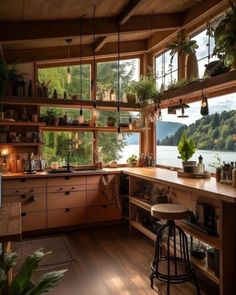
{"x":95,"y":112}
{"x":119,"y":134}
{"x":81,"y":116}
{"x":204,"y":104}
{"x":68,"y":41}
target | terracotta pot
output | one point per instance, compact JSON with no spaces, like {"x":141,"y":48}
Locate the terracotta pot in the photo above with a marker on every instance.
{"x":189,"y":166}
{"x":192,"y":66}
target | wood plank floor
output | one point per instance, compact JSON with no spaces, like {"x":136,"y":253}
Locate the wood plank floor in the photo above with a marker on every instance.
{"x":112,"y":262}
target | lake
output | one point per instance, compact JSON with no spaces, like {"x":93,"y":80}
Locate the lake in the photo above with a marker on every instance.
{"x":167,"y":155}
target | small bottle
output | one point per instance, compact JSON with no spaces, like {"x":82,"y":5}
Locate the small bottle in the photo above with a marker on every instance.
{"x":65,"y":95}
{"x":30,"y":89}
{"x":234,"y":176}
{"x":200,"y":164}
{"x":55,"y":95}
{"x":112,"y":95}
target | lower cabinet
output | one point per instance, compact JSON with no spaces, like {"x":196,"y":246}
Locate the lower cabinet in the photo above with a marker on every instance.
{"x":33,"y":220}
{"x":103,"y":213}
{"x":66,"y":217}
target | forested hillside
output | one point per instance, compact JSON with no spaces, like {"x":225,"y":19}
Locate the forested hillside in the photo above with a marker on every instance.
{"x":213,"y":132}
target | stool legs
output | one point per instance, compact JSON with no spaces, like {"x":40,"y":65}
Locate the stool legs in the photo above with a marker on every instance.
{"x":176,"y":252}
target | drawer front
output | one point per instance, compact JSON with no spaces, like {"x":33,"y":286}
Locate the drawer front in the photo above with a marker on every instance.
{"x":24,"y":191}
{"x":66,"y":200}
{"x":29,"y":203}
{"x":95,"y":197}
{"x":66,"y":188}
{"x":66,"y":217}
{"x":103,"y":213}
{"x":66,"y":180}
{"x":23,"y":183}
{"x":33,"y":220}
{"x":96,"y":179}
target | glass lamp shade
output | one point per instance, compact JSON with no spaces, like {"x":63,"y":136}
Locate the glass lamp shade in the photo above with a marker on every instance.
{"x":204,"y":106}
{"x":119,"y":134}
{"x":69,"y":75}
{"x":81,"y":116}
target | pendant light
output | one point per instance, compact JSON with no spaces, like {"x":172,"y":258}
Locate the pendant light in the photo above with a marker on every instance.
{"x":68,"y":41}
{"x":204,"y":104}
{"x":182,"y":107}
{"x":130,"y":123}
{"x":119,"y":134}
{"x":81,"y":116}
{"x":95,"y":112}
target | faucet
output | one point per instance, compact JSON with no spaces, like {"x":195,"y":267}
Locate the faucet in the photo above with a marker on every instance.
{"x":68,"y":159}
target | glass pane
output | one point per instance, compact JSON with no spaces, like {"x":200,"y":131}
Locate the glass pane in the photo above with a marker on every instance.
{"x":215,"y":133}
{"x":57,"y":145}
{"x":56,"y":78}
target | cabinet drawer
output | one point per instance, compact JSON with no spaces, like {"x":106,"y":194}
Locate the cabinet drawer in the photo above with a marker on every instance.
{"x":66,"y":200}
{"x":96,"y":179}
{"x":23,"y":183}
{"x":66,"y":217}
{"x":103,"y":213}
{"x":66,"y":180}
{"x":29,"y":203}
{"x":66,"y":188}
{"x":24,"y":191}
{"x":95,"y":197}
{"x":33,"y":220}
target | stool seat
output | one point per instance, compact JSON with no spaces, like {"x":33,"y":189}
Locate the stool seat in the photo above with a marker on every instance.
{"x":169,"y":211}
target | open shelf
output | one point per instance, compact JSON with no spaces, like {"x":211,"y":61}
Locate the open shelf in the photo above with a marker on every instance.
{"x":23,"y":144}
{"x":201,"y":265}
{"x":69,"y":103}
{"x":87,"y":128}
{"x":6,"y":123}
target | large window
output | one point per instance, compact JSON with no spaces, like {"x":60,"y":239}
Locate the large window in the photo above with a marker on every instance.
{"x":56,"y":78}
{"x":166,"y":72}
{"x":212,"y":134}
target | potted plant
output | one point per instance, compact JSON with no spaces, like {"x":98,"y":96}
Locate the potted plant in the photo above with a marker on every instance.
{"x":224,"y":35}
{"x":145,"y":88}
{"x":133,"y":160}
{"x":21,"y":282}
{"x":187,"y":47}
{"x":187,"y":148}
{"x":111,"y":121}
{"x":130,"y":92}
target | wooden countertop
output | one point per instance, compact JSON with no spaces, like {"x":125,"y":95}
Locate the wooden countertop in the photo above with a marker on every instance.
{"x":10,"y":222}
{"x":210,"y":185}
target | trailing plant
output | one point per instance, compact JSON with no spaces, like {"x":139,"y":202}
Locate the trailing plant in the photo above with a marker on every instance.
{"x":9,"y":72}
{"x":224,"y":34}
{"x":186,"y":148}
{"x":181,"y":82}
{"x":132,"y":158}
{"x":182,"y":46}
{"x":21,"y":283}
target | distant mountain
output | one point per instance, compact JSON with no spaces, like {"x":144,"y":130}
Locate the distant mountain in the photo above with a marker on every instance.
{"x":213,"y":132}
{"x":164,"y":129}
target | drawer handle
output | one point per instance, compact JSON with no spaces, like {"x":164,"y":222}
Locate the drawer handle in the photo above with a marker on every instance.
{"x":73,"y":187}
{"x":22,"y":180}
{"x":104,"y":206}
{"x":67,"y":193}
{"x":17,"y":191}
{"x":32,"y":190}
{"x":23,"y":196}
{"x":67,"y":210}
{"x":61,"y":188}
{"x":33,"y":199}
{"x":67,"y":177}
{"x":23,"y":214}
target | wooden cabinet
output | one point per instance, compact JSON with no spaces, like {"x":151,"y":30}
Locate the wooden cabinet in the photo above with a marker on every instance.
{"x":66,"y":217}
{"x":103,"y":213}
{"x":33,"y":220}
{"x":67,"y":199}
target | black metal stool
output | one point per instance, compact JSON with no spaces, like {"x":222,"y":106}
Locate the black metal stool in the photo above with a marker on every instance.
{"x":175,"y":255}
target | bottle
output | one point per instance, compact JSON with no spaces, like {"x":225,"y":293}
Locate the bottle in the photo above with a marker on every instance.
{"x":55,"y":95}
{"x":65,"y":95}
{"x":30,"y":89}
{"x":200,"y":164}
{"x":234,"y":176}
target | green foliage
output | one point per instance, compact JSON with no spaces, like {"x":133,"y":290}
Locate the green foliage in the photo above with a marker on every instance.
{"x":225,"y":37}
{"x":21,"y":283}
{"x":132,"y":158}
{"x":186,"y":148}
{"x":213,"y":132}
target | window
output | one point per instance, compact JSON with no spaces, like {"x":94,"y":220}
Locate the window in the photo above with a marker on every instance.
{"x":107,"y":77}
{"x":204,"y":52}
{"x":215,"y":133}
{"x":57,"y":78}
{"x":166,"y":72}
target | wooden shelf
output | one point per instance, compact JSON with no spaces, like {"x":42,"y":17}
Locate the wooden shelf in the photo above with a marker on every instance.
{"x":199,"y":264}
{"x":213,"y":241}
{"x":88,"y":128}
{"x":61,"y":103}
{"x":22,"y":123}
{"x":214,"y":86}
{"x":24,"y":144}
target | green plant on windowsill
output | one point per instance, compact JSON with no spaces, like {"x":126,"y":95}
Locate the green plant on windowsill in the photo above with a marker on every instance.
{"x":186,"y":148}
{"x":21,"y":283}
{"x":132,"y":160}
{"x":180,"y":83}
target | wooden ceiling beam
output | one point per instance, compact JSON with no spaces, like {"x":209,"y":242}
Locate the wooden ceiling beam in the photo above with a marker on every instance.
{"x":100,"y":42}
{"x":10,"y":32}
{"x":129,"y":10}
{"x":60,"y":53}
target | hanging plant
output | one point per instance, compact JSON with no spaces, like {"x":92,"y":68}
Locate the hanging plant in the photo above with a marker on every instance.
{"x":224,"y":34}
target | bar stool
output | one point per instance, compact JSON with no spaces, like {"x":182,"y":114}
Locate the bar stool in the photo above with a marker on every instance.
{"x":176,"y":249}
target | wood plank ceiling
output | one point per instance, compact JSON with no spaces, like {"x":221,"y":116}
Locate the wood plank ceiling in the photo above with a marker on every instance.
{"x":36,"y":30}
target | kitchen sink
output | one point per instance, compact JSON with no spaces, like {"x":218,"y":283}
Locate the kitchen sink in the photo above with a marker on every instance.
{"x":56,"y":171}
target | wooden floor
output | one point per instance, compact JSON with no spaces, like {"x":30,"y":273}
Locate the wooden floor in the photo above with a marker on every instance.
{"x":111,"y":262}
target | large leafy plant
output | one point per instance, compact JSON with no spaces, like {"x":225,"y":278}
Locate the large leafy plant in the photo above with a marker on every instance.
{"x":21,"y":283}
{"x":145,"y":88}
{"x":225,"y":37}
{"x":186,"y":148}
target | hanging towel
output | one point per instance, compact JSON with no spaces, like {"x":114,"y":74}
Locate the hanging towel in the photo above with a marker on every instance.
{"x":109,"y":185}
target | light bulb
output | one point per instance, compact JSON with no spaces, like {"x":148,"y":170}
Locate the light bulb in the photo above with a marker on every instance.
{"x":119,"y":134}
{"x":68,"y":75}
{"x":95,"y":113}
{"x":81,"y":116}
{"x":159,"y":115}
{"x":130,"y":124}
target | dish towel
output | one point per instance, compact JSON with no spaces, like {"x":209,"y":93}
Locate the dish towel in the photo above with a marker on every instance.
{"x":109,"y":185}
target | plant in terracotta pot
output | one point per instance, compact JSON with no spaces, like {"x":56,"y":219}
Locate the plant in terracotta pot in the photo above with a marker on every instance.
{"x":130,"y":92}
{"x":187,"y":148}
{"x":224,"y":33}
{"x":145,"y":88}
{"x":187,"y":47}
{"x":133,"y":160}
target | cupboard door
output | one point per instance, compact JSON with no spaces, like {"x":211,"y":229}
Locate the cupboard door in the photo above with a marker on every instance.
{"x":66,"y":180}
{"x":66,"y":217}
{"x":33,"y":220}
{"x":95,"y":197}
{"x":66,"y":199}
{"x":29,"y":203}
{"x":103,"y":213}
